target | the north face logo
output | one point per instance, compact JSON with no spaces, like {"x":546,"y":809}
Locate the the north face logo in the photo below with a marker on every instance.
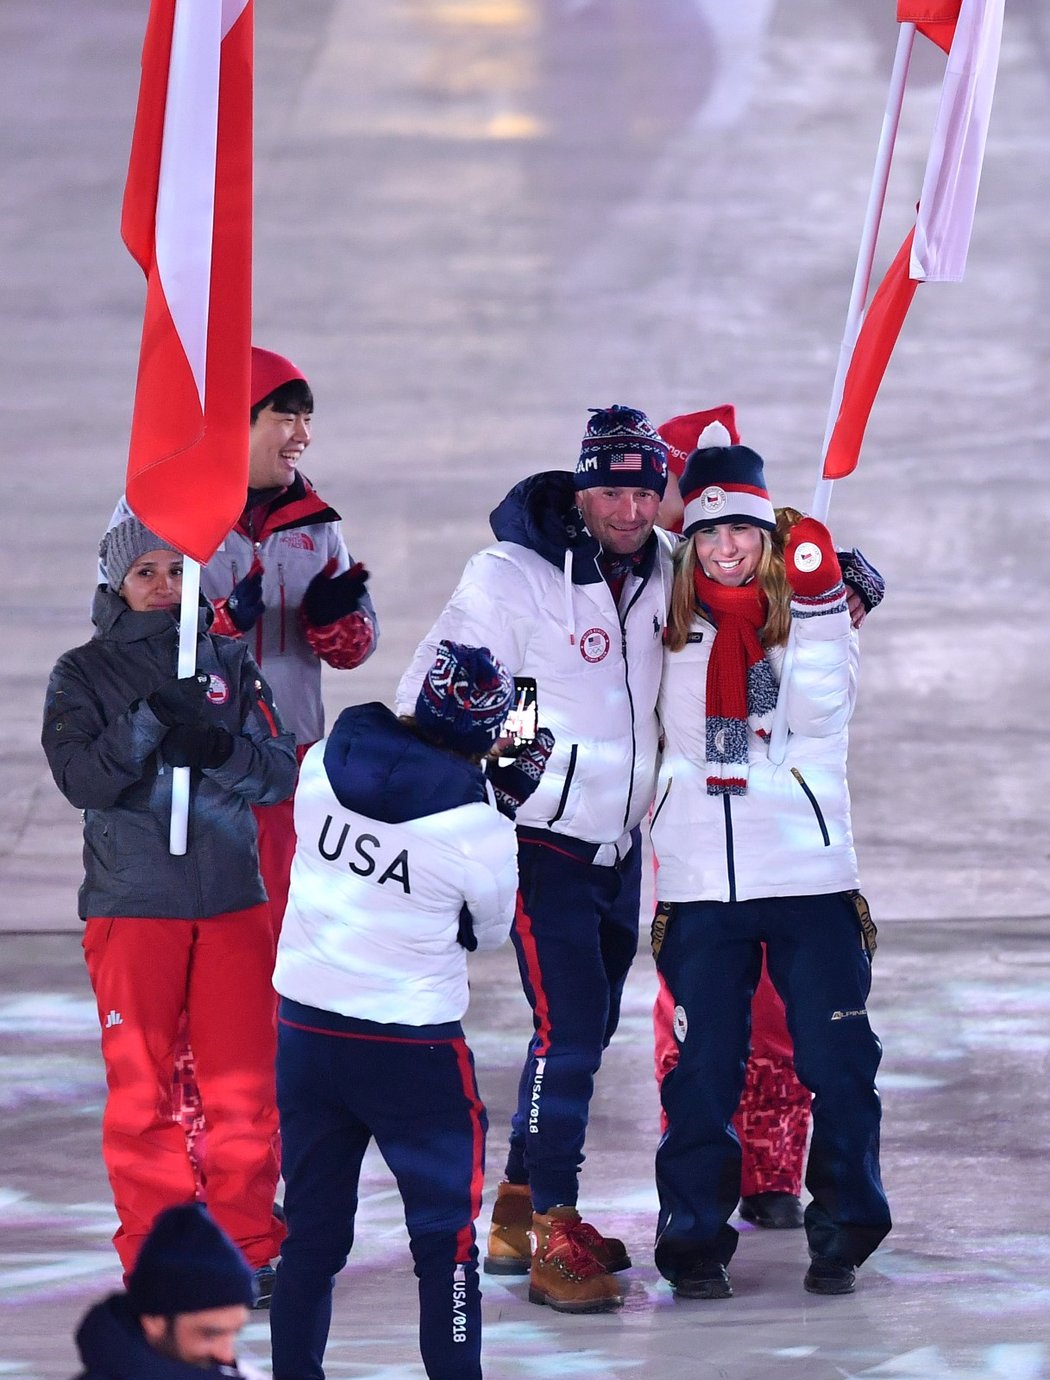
{"x":300,"y":541}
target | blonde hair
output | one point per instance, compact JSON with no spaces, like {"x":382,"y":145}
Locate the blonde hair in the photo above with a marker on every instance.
{"x":770,"y":576}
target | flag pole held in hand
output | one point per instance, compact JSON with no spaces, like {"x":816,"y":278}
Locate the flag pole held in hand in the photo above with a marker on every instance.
{"x":187,"y":664}
{"x":187,"y":221}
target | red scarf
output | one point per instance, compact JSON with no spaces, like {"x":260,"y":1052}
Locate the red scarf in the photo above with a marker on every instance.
{"x":741,"y":687}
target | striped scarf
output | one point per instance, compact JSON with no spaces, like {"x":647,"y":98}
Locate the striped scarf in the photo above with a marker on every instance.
{"x":741,"y":687}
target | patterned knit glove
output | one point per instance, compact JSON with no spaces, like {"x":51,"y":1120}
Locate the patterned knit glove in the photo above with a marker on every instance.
{"x":859,"y":573}
{"x":514,"y":783}
{"x":810,"y":563}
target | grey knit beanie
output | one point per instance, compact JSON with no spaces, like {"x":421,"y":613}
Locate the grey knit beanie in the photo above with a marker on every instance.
{"x":121,"y":547}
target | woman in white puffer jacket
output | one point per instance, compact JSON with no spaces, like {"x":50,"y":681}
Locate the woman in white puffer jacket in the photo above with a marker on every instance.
{"x":753,"y":852}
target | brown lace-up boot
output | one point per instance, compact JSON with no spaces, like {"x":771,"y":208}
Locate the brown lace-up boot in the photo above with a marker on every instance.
{"x":509,"y":1247}
{"x":565,"y":1275}
{"x":509,"y":1250}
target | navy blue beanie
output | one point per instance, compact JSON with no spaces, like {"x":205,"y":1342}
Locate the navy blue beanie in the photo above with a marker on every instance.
{"x":465,"y":698}
{"x":188,"y":1264}
{"x":621,"y":448}
{"x":725,"y":484}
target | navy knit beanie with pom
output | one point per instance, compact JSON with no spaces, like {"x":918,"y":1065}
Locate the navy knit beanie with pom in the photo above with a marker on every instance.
{"x":465,"y":698}
{"x":725,"y":484}
{"x":621,"y":448}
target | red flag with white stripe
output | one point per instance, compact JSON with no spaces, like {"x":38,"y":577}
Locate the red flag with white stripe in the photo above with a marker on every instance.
{"x":970,"y":31}
{"x":187,"y":221}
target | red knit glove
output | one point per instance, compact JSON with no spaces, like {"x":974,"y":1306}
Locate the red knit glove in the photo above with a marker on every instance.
{"x":810,"y":563}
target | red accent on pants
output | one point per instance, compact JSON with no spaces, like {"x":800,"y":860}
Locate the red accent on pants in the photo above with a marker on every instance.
{"x":145,"y":973}
{"x":468,"y":1078}
{"x":772,"y":1121}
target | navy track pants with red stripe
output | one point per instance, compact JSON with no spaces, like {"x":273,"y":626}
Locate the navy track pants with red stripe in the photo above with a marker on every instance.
{"x":341,"y":1082}
{"x":575,"y":934}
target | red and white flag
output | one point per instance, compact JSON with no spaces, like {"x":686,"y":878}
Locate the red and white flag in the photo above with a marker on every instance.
{"x":187,"y":220}
{"x":934,"y":18}
{"x":953,"y":169}
{"x":971,"y":30}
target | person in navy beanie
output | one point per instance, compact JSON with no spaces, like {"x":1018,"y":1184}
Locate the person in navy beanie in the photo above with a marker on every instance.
{"x":574,"y":594}
{"x":758,"y":854}
{"x":406,"y":860}
{"x":772,"y":1121}
{"x":186,"y":1301}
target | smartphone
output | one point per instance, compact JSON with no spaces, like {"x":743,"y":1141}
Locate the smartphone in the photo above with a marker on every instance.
{"x":521,"y":722}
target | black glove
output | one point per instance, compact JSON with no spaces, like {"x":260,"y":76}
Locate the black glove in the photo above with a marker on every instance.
{"x":327,"y":599}
{"x":466,"y":935}
{"x":861,"y":575}
{"x":515,"y":782}
{"x":180,"y":701}
{"x":201,"y":745}
{"x":245,"y":602}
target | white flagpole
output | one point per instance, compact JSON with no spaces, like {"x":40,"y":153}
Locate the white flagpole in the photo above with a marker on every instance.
{"x":187,"y":665}
{"x":854,"y":317}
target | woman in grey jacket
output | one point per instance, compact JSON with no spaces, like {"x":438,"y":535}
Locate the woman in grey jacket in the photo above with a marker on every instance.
{"x":166,"y":933}
{"x":754,"y":852}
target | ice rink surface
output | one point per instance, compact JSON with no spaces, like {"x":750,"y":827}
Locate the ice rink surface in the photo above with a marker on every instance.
{"x":474,"y":220}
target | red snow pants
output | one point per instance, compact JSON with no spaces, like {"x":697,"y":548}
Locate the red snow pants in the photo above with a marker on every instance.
{"x":275,"y":832}
{"x":145,"y":973}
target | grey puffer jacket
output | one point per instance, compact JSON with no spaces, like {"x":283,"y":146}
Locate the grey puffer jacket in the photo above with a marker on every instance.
{"x":102,"y":744}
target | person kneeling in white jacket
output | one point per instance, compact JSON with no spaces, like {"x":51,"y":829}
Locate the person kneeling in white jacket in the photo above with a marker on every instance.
{"x":406,"y":858}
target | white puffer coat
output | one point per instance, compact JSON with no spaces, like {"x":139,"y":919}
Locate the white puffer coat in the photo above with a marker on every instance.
{"x":789,"y":834}
{"x":395,"y":838}
{"x":538,"y":601}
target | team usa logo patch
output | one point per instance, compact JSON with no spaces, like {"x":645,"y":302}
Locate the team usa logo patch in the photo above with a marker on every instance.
{"x":595,"y":644}
{"x":681,"y":1024}
{"x":218,"y":691}
{"x":807,"y":557}
{"x":300,"y":541}
{"x":713,"y":500}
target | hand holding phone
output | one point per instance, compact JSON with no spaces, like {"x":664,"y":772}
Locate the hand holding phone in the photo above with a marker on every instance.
{"x":521,"y":724}
{"x":514,"y":783}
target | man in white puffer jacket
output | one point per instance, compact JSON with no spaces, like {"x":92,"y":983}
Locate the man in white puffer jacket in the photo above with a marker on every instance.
{"x":573,"y":593}
{"x":405,"y":859}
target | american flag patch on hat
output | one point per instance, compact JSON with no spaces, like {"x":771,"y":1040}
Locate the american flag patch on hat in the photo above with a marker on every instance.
{"x":631,"y":461}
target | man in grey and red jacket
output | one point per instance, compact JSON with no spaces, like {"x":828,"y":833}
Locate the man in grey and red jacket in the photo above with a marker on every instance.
{"x":284,"y":581}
